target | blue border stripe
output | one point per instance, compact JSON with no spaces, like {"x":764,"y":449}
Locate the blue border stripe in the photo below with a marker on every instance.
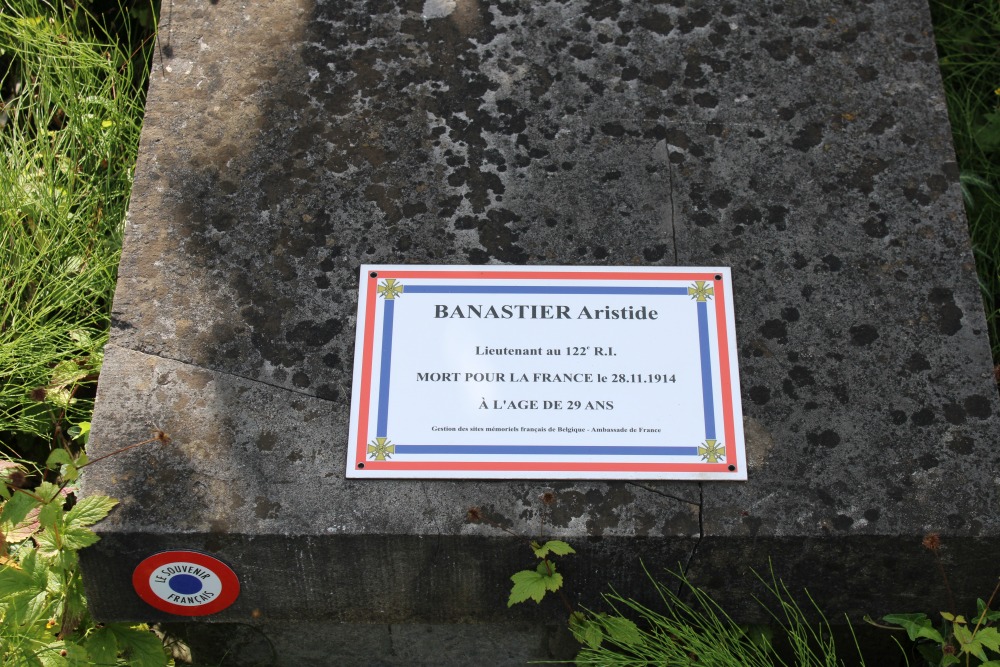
{"x":706,"y":371}
{"x":527,"y":289}
{"x":566,"y":450}
{"x":383,"y":382}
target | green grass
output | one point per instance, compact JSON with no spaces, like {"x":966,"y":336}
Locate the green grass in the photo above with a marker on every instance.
{"x":69,"y":132}
{"x":968,"y":39}
{"x":690,"y":628}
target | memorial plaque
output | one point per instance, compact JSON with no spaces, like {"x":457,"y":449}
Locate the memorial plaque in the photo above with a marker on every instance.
{"x":546,"y":372}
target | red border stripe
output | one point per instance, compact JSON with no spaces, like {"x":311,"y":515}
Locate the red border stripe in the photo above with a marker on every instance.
{"x":368,"y":353}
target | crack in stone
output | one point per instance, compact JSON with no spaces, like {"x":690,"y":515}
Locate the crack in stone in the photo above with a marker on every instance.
{"x":213,"y":370}
{"x":701,"y":535}
{"x":671,"y":212}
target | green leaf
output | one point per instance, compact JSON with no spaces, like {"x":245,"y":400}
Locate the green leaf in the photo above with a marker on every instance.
{"x":527,"y":584}
{"x":623,"y":631}
{"x":57,"y":457}
{"x":916,"y":626}
{"x":102,"y":646}
{"x":52,"y":655}
{"x":558,"y":547}
{"x":139,"y":646}
{"x":75,"y":537}
{"x":66,"y":373}
{"x":962,"y":633}
{"x":547,"y":570}
{"x":990,"y":638}
{"x":48,"y":544}
{"x":586,"y":630}
{"x":15,"y":510}
{"x":79,"y":431}
{"x":89,"y":510}
{"x":51,"y":515}
{"x":48,"y":491}
{"x":15,"y":581}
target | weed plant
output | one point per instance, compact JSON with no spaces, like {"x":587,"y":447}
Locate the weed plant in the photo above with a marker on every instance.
{"x":69,"y":132}
{"x":968,"y":41}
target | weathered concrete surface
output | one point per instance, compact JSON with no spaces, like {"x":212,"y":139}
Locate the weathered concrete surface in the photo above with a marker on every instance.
{"x":805,"y":144}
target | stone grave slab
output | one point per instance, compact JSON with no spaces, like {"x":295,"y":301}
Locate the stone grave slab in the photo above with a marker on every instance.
{"x":803,"y":144}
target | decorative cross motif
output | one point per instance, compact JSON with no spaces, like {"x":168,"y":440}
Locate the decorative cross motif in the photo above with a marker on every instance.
{"x":381,"y":449}
{"x":701,"y":290}
{"x":390,"y":289}
{"x":711,"y":451}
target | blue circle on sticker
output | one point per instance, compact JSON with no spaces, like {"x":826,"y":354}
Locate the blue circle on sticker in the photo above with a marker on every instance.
{"x":185,"y":584}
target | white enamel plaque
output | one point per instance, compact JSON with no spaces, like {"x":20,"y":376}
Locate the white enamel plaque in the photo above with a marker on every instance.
{"x":546,"y":372}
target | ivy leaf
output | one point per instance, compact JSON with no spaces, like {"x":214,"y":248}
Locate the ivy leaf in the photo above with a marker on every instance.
{"x":527,"y":584}
{"x":558,"y":547}
{"x":916,"y":626}
{"x":982,"y":609}
{"x":80,"y":431}
{"x":89,"y":510}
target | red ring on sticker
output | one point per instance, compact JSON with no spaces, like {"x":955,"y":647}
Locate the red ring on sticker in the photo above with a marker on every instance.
{"x":186,"y":583}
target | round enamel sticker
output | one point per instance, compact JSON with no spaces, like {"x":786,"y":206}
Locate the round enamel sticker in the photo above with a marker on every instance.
{"x":186,"y":583}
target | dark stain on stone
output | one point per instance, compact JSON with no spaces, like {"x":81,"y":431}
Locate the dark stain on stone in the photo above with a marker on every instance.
{"x":863,"y":335}
{"x":833,"y":262}
{"x":863,"y":178}
{"x":842,"y":522}
{"x":954,"y":414}
{"x":916,"y":363}
{"x":928,"y":461}
{"x":978,"y":406}
{"x":872,"y":514}
{"x":924,"y":417}
{"x":949,"y":315}
{"x":808,"y":137}
{"x":266,"y":441}
{"x":760,"y":395}
{"x":801,"y":376}
{"x":961,"y":444}
{"x":875,"y":226}
{"x":265,"y":509}
{"x":775,"y":330}
{"x":655,"y":253}
{"x":314,"y":334}
{"x":827,"y":438}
